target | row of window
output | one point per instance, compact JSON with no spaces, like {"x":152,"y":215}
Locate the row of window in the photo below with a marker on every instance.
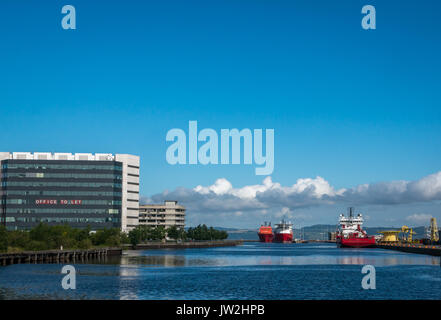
{"x":59,"y":184}
{"x":82,"y":202}
{"x":154,"y":210}
{"x":45,"y":166}
{"x":61,"y":193}
{"x":62,"y":220}
{"x":159,"y":221}
{"x":58,"y":211}
{"x":161,"y":215}
{"x":60,"y":175}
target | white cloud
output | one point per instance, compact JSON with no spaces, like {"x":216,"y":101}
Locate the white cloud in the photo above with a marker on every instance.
{"x":419,"y":218}
{"x":272,"y":199}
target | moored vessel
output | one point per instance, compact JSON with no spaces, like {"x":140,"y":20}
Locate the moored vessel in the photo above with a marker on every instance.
{"x":266,"y":233}
{"x":350,"y":233}
{"x":283,"y":232}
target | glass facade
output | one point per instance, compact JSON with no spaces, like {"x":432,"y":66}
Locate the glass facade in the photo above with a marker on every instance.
{"x":79,"y":193}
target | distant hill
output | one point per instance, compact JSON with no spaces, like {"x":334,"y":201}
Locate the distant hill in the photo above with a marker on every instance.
{"x":243,"y":234}
{"x":315,"y":232}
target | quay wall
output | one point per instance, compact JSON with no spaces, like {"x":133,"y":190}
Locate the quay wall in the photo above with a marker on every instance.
{"x":187,"y":245}
{"x":412,"y":248}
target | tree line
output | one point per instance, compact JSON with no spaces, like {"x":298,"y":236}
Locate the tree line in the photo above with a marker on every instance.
{"x":201,"y":232}
{"x":45,"y":237}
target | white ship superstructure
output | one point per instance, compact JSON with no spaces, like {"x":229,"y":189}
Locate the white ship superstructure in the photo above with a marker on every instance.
{"x":283,"y":232}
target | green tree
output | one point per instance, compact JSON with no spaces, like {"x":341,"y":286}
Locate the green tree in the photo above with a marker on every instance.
{"x":173,"y":232}
{"x":108,"y":236}
{"x":85,"y":244}
{"x":158,"y":233}
{"x":124,"y":238}
{"x":40,"y":233}
{"x":135,"y":236}
{"x":3,"y":239}
{"x":146,"y":233}
{"x":18,"y":239}
{"x":182,"y":234}
{"x":190,"y":233}
{"x":202,"y":232}
{"x":82,"y":234}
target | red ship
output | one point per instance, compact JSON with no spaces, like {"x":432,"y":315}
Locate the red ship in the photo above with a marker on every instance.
{"x":266,"y":233}
{"x":351,"y":235}
{"x":283,"y":232}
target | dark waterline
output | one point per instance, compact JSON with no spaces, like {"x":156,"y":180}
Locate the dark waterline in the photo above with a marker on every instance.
{"x":250,"y":271}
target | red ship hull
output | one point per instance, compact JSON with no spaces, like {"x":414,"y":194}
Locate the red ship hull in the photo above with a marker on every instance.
{"x":283,"y":237}
{"x":265,"y":237}
{"x":367,"y":242}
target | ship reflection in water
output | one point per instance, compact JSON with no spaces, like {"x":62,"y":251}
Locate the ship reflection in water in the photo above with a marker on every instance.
{"x":305,"y":271}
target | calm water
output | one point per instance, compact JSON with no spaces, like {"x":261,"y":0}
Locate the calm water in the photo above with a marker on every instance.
{"x":251,"y":271}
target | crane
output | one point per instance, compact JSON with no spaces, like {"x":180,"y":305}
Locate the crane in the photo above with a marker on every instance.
{"x":434,"y":235}
{"x":408,"y":233}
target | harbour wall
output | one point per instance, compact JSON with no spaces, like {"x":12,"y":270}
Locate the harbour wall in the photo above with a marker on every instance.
{"x":187,"y":245}
{"x":57,"y":256}
{"x":412,"y":248}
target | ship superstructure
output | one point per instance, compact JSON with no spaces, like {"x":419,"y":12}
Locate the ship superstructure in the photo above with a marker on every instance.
{"x":266,"y":233}
{"x":350,"y":232}
{"x":283,"y":232}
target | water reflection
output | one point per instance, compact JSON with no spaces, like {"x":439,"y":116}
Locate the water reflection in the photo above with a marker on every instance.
{"x":263,"y":255}
{"x":301,"y":269}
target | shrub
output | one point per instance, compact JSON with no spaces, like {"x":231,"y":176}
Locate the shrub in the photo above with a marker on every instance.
{"x":3,"y":239}
{"x":85,"y":244}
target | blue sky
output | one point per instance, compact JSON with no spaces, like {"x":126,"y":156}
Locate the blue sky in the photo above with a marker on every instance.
{"x":350,"y":105}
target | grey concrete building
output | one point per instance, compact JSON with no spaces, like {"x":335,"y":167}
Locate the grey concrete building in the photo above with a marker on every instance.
{"x":98,"y":190}
{"x":167,"y":214}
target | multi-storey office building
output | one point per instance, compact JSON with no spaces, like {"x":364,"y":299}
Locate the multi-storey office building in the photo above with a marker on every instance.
{"x":167,"y":215}
{"x":82,"y":189}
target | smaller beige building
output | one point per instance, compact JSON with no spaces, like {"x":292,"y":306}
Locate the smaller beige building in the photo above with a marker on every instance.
{"x":167,"y":215}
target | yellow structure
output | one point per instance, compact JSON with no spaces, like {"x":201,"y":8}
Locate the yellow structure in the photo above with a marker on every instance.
{"x":393,"y":235}
{"x":434,"y":235}
{"x":407,"y":234}
{"x":390,"y":235}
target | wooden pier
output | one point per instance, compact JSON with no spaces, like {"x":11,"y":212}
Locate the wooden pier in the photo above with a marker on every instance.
{"x":57,"y":256}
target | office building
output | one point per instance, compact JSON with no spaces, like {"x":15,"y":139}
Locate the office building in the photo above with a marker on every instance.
{"x":167,"y":214}
{"x":98,"y":190}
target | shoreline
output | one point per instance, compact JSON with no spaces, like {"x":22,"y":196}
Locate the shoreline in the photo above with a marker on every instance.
{"x":79,"y":255}
{"x":186,"y":245}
